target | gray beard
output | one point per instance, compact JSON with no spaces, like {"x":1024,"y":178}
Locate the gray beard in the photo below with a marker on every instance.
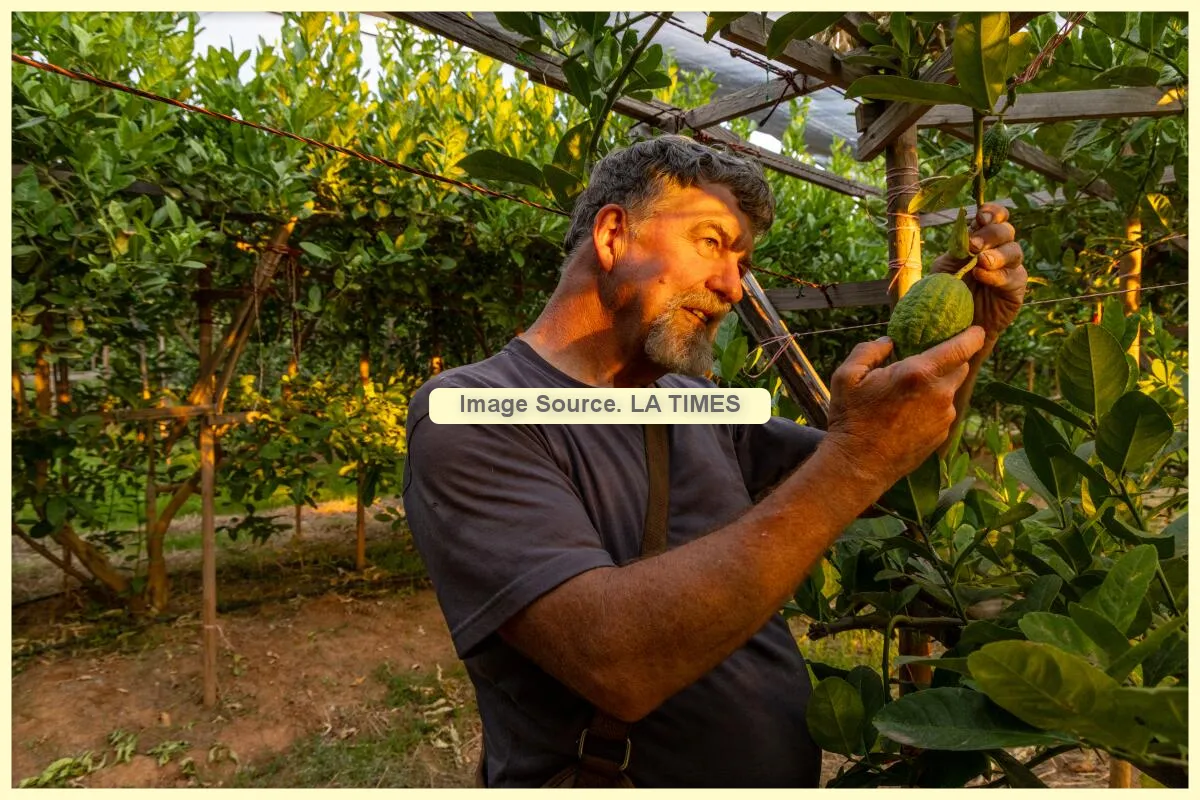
{"x":677,"y":345}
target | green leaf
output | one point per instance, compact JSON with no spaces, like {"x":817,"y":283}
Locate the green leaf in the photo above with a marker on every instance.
{"x":1114,"y":23}
{"x":948,"y":498}
{"x":1053,"y":690}
{"x":489,"y":165}
{"x":1006,"y":393}
{"x":1123,"y":588}
{"x":1134,"y":429}
{"x":315,"y":250}
{"x":1128,"y":75}
{"x":526,"y":24}
{"x":56,"y":511}
{"x":563,"y":185}
{"x":1120,"y":667}
{"x":980,"y":49}
{"x":339,"y":279}
{"x":953,"y":664}
{"x":1017,"y":464}
{"x":1063,"y":633}
{"x":1019,"y":776}
{"x":718,"y":20}
{"x":957,"y":719}
{"x":907,"y":90}
{"x":836,"y":717}
{"x":1099,"y":630}
{"x":1092,"y":369}
{"x":1021,"y":48}
{"x":1056,"y":474}
{"x":937,"y":192}
{"x":915,"y":495}
{"x":798,"y":25}
{"x":960,"y":236}
{"x":571,"y":150}
{"x":1163,"y":710}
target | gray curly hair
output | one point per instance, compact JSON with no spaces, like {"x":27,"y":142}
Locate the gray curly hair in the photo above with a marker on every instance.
{"x":635,"y":177}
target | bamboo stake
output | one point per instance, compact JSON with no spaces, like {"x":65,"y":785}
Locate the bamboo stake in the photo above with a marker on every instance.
{"x":360,"y":509}
{"x":62,"y":384}
{"x":1120,"y":774}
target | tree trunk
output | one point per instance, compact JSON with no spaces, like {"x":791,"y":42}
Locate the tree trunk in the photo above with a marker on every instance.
{"x":209,"y":561}
{"x":360,"y":510}
{"x":18,"y":391}
{"x":1131,"y":279}
{"x":360,"y":521}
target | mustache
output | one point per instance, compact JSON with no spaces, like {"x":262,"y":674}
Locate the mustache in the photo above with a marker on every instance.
{"x":706,"y":302}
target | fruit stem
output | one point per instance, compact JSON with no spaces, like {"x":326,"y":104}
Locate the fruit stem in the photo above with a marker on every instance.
{"x":970,"y":265}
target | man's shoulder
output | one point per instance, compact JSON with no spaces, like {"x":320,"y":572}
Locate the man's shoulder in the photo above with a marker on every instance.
{"x":676,"y":381}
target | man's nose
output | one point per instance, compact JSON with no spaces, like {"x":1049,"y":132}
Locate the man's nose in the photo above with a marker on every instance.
{"x":727,"y":282}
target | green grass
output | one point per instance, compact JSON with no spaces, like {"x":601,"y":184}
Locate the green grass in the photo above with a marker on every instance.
{"x":384,"y":758}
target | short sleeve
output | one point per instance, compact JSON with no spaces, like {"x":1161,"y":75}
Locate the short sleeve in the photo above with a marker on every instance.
{"x":496,"y":520}
{"x":767,"y":453}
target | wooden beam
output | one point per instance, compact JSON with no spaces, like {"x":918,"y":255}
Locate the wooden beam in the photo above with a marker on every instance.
{"x":850,"y":23}
{"x":837,"y":295}
{"x":947,"y":215}
{"x":899,"y":117}
{"x":743,"y":102}
{"x":1032,"y":158}
{"x":545,"y":69}
{"x":811,"y":58}
{"x":1143,"y":101}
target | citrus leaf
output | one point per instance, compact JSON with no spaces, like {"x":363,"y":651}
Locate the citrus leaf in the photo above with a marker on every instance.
{"x":1092,"y":369}
{"x":1118,"y":597}
{"x":836,"y":717}
{"x":980,"y":50}
{"x":907,"y":90}
{"x":957,"y":719}
{"x":798,"y":25}
{"x":490,"y":165}
{"x":1134,"y":429}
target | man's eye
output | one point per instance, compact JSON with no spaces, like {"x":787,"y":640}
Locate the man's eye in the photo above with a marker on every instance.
{"x":710,"y":243}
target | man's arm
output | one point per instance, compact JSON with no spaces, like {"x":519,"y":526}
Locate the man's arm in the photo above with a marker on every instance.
{"x":627,"y":638}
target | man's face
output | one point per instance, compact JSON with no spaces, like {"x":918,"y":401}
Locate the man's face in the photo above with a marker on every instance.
{"x":681,"y":273}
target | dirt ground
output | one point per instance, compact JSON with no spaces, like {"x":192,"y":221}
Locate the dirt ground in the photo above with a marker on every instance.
{"x":309,"y":652}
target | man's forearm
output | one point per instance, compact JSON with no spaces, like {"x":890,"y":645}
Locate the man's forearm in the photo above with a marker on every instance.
{"x":630,"y":637}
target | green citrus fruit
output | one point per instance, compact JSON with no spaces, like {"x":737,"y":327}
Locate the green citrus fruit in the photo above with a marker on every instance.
{"x":936,"y":308}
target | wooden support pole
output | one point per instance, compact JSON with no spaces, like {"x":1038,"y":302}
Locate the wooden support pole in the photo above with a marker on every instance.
{"x":1120,"y":774}
{"x":801,"y":379}
{"x":904,"y":229}
{"x":209,"y":556}
{"x":904,"y":269}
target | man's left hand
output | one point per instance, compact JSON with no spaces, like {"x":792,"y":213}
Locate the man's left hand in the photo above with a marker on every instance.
{"x":998,"y":279}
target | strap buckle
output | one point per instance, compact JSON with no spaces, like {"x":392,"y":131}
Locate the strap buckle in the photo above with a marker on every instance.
{"x":624,"y":761}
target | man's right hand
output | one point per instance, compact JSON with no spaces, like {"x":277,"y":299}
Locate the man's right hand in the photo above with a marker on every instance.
{"x":889,"y":419}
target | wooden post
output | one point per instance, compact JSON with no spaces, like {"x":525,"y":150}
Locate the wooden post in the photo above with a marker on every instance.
{"x":1131,"y":278}
{"x":904,"y":269}
{"x":209,"y":567}
{"x":1120,"y":774}
{"x":904,"y":229}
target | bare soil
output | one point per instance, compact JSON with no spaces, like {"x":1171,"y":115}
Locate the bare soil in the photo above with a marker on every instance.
{"x":310,"y":651}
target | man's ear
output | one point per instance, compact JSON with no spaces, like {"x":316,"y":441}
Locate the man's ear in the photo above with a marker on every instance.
{"x":608,"y":235}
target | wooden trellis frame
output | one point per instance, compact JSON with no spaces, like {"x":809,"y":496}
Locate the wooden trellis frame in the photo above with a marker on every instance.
{"x":819,"y":65}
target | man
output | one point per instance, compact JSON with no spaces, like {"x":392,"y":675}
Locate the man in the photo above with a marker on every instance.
{"x":532,"y":533}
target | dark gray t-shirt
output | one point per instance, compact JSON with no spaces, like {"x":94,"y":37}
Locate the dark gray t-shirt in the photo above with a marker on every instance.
{"x":502,"y":514}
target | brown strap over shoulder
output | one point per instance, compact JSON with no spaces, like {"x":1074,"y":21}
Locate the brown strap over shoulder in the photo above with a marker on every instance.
{"x":604,"y":748}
